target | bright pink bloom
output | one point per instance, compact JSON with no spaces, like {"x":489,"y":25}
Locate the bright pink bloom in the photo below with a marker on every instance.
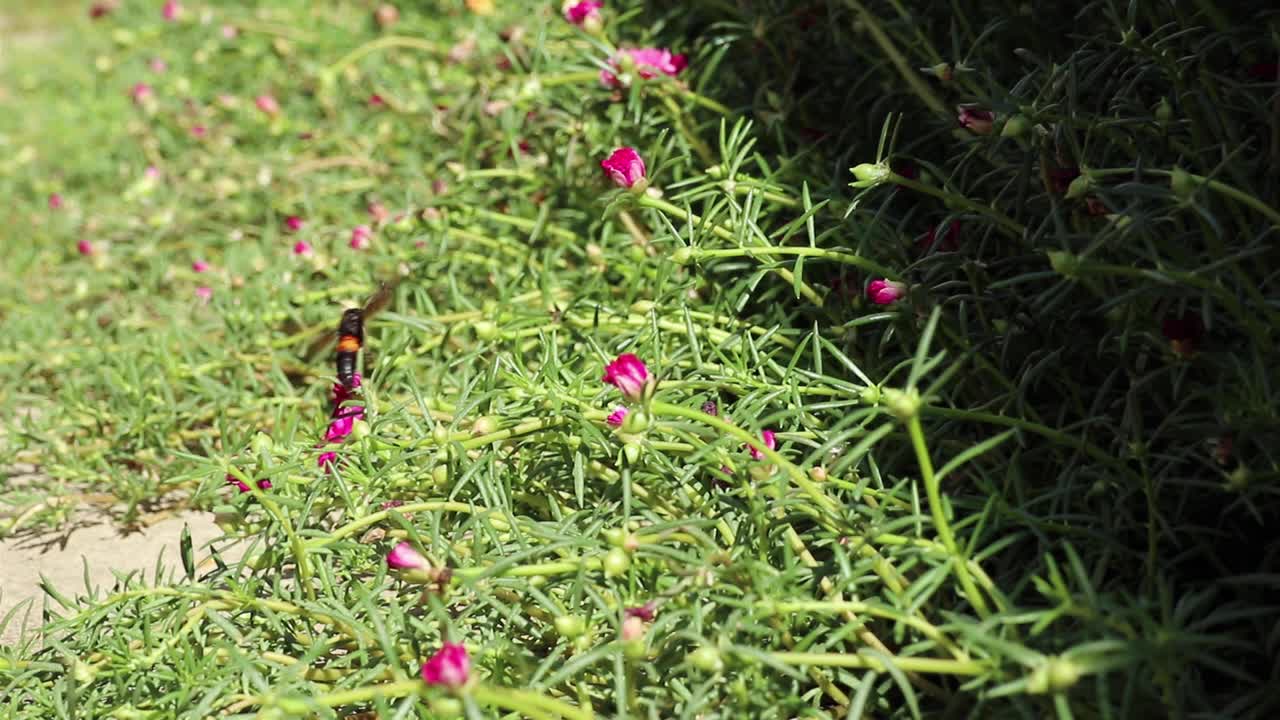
{"x":885,"y":292}
{"x":580,"y":12}
{"x":55,"y":201}
{"x":302,"y":248}
{"x":624,"y":167}
{"x":84,"y":247}
{"x":341,"y":393}
{"x":342,"y":423}
{"x":267,"y":104}
{"x":327,"y":460}
{"x":172,"y":10}
{"x":141,"y":93}
{"x":629,"y":374}
{"x":293,"y":223}
{"x":361,"y":236}
{"x":770,"y":442}
{"x":975,"y":120}
{"x":204,"y":293}
{"x":617,"y":416}
{"x":451,"y":667}
{"x":375,"y":100}
{"x":649,"y":63}
{"x":200,"y":266}
{"x":405,"y":557}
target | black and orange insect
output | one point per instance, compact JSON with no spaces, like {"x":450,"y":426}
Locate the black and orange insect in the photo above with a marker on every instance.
{"x":351,"y":333}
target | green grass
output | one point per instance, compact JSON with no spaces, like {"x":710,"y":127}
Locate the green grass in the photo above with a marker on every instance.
{"x":1017,"y":491}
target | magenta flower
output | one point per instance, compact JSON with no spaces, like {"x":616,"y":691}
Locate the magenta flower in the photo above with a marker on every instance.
{"x":376,"y":101}
{"x":341,"y":393}
{"x":451,"y":667}
{"x":885,"y":292}
{"x":648,"y":62}
{"x":582,"y":12}
{"x":405,"y":557}
{"x":293,"y":223}
{"x":975,"y":120}
{"x":141,"y":93}
{"x":327,"y":460}
{"x":645,"y":612}
{"x":84,"y":247}
{"x":55,"y":201}
{"x":172,"y":10}
{"x":629,"y":374}
{"x":361,"y":236}
{"x":617,"y":416}
{"x":200,"y":266}
{"x":267,"y":104}
{"x":263,"y":484}
{"x":302,"y":248}
{"x":199,"y":131}
{"x":343,"y":422}
{"x":625,"y":168}
{"x":770,"y":442}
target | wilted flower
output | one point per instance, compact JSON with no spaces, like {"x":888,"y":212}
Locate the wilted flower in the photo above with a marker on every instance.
{"x":648,"y":63}
{"x":172,"y":10}
{"x":360,"y":237}
{"x":405,"y":557}
{"x":625,"y":168}
{"x":302,"y":248}
{"x":710,"y":408}
{"x":885,"y":292}
{"x":583,"y":12}
{"x":343,"y":422}
{"x":949,"y":242}
{"x":267,"y":104}
{"x":1183,"y":333}
{"x":200,"y":266}
{"x":770,"y":441}
{"x":263,"y":484}
{"x":327,"y":460}
{"x":293,"y":223}
{"x":204,"y":293}
{"x":102,"y":9}
{"x":975,"y":120}
{"x":84,"y":247}
{"x":629,"y":374}
{"x":617,"y":416}
{"x":450,"y":667}
{"x":645,"y":612}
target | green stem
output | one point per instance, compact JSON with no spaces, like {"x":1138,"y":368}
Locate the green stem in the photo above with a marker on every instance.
{"x":934,"y":492}
{"x":572,"y":78}
{"x":824,"y":253}
{"x":296,"y":546}
{"x":908,"y":73}
{"x":527,"y":702}
{"x":1219,"y":187}
{"x":938,"y":666}
{"x":379,"y":44}
{"x":1013,"y":227}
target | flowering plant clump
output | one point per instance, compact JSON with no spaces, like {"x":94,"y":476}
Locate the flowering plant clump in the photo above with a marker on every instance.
{"x":733,"y":359}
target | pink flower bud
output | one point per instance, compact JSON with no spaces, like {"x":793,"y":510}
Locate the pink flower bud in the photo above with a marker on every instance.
{"x":770,"y":442}
{"x":200,"y":266}
{"x":376,"y":101}
{"x":975,"y":120}
{"x":267,"y":104}
{"x":302,"y":248}
{"x":580,"y":13}
{"x":100,"y":10}
{"x":204,"y":293}
{"x":450,"y":667}
{"x":55,"y":201}
{"x":629,"y":374}
{"x":230,"y":32}
{"x":84,"y":247}
{"x":360,"y":237}
{"x":199,"y":131}
{"x":386,"y":15}
{"x":625,"y":167}
{"x":141,"y":93}
{"x":405,"y":557}
{"x":151,"y":173}
{"x":172,"y":10}
{"x":632,"y":628}
{"x":327,"y":460}
{"x":158,"y":65}
{"x":885,"y":292}
{"x":263,"y":484}
{"x":293,"y":223}
{"x":617,"y":416}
